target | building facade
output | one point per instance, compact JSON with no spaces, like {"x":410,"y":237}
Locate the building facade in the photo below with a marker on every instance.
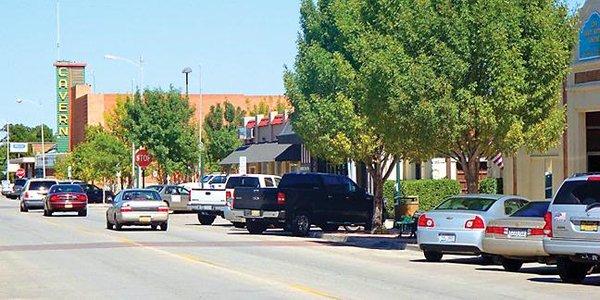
{"x":538,"y":175}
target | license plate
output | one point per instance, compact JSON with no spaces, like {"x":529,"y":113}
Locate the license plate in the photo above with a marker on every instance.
{"x":252,"y":213}
{"x":145,"y":219}
{"x":68,"y":205}
{"x":206,"y":207}
{"x":588,"y":226}
{"x":517,"y":233}
{"x":447,"y":238}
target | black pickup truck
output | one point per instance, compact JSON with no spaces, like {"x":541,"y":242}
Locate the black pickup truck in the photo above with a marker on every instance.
{"x":304,"y":199}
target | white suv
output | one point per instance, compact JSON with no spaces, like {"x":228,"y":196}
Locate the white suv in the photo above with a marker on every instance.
{"x":34,"y":192}
{"x":572,"y":227}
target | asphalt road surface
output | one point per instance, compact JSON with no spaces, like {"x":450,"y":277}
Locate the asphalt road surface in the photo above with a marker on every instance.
{"x":66,"y":256}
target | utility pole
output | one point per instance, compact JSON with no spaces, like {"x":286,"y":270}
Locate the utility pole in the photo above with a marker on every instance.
{"x":7,"y":149}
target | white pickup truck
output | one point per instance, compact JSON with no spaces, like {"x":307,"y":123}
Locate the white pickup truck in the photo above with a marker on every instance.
{"x":210,"y":203}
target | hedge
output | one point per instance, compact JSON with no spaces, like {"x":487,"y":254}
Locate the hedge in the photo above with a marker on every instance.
{"x":491,"y":186}
{"x":431,"y":192}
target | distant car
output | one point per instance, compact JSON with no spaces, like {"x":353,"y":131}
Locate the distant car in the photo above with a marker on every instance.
{"x":519,"y":238}
{"x":34,"y":192}
{"x":95,"y":193}
{"x":137,"y":207}
{"x":573,"y":223}
{"x":17,"y":188}
{"x":457,"y":225}
{"x":65,"y":198}
{"x":177,"y":197}
{"x":7,"y":187}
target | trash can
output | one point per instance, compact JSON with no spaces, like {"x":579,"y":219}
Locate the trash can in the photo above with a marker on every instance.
{"x":406,"y":206}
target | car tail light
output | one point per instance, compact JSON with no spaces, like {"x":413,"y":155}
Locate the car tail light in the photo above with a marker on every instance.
{"x":425,"y":221}
{"x":593,"y":178}
{"x":536,"y":231}
{"x":228,"y":195}
{"x":475,"y":223}
{"x":495,"y":230}
{"x":82,"y":197}
{"x":548,"y":226}
{"x":53,"y":198}
{"x":26,"y":195}
{"x":163,"y":208}
{"x":280,"y":198}
{"x":126,"y":209}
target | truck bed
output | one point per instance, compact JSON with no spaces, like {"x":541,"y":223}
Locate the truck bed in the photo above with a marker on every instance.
{"x":207,"y":197}
{"x":256,"y":199}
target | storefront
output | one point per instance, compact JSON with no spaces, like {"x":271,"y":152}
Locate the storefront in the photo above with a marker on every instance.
{"x":537,"y":175}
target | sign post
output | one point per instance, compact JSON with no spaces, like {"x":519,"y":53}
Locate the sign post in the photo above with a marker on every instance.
{"x":143,"y":160}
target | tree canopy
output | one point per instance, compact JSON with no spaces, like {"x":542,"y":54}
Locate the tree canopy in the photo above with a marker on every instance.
{"x":221,"y":135}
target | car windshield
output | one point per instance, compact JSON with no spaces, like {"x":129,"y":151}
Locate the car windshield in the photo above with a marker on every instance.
{"x":41,"y":185}
{"x":206,"y":178}
{"x":155,"y":187}
{"x":242,"y":181}
{"x":218,"y":180}
{"x":21,"y":182}
{"x":578,"y":193}
{"x":140,"y":195}
{"x":535,"y":209}
{"x":466,"y":203}
{"x":66,"y":188}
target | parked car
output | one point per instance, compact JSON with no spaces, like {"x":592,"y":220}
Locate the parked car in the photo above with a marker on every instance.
{"x":17,"y":188}
{"x":301,"y":200}
{"x":137,"y":207}
{"x":176,"y":197}
{"x":210,"y":203}
{"x":94,"y":193}
{"x":519,"y":238}
{"x":7,"y":187}
{"x":572,"y":223}
{"x":65,"y":198}
{"x":457,"y":225}
{"x":34,"y":192}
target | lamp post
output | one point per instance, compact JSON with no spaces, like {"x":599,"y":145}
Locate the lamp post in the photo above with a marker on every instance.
{"x":186,"y":71}
{"x":200,"y":145}
{"x":140,"y":65}
{"x":7,"y":149}
{"x":39,"y":104}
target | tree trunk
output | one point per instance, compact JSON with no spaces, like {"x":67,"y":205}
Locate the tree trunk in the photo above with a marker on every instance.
{"x":377,"y":202}
{"x":471,"y":169}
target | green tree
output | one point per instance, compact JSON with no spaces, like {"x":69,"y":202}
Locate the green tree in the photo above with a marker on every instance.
{"x":221,"y":135}
{"x":331,"y":91}
{"x":466,"y":79}
{"x":161,"y":122}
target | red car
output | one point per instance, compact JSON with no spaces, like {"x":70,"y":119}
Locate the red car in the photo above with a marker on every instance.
{"x":66,"y":197}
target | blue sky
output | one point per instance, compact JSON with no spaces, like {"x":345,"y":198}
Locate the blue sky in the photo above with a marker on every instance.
{"x":242,"y":46}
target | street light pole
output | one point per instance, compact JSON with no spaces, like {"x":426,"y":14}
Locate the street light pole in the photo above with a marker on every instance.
{"x":140,"y":65}
{"x":200,"y":145}
{"x":186,"y":71}
{"x":7,"y":149}
{"x":19,"y":100}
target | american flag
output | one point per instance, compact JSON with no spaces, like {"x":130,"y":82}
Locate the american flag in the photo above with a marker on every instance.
{"x":497,"y":160}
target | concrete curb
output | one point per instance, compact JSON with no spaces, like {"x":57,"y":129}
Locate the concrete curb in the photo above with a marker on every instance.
{"x":383,"y":242}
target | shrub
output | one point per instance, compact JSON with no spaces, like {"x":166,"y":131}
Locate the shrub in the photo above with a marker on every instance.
{"x":431,"y":192}
{"x":490,"y":186}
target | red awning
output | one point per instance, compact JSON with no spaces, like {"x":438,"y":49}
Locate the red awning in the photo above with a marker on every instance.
{"x":250,"y":124}
{"x":277,"y":120}
{"x":264,"y":122}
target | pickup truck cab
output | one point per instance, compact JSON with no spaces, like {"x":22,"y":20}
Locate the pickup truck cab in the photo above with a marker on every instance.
{"x":210,"y":203}
{"x":304,"y":199}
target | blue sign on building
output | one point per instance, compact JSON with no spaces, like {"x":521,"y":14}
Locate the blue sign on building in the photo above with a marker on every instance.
{"x":589,"y":38}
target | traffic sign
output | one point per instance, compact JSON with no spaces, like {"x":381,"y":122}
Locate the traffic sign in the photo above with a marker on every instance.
{"x":143,"y":158}
{"x":20,"y":173}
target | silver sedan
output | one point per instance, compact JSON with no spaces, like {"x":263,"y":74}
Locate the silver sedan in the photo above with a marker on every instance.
{"x":457,"y":225}
{"x":138,"y":207}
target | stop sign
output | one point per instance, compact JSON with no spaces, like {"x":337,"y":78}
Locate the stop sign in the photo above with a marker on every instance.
{"x":20,"y":173}
{"x":143,"y":158}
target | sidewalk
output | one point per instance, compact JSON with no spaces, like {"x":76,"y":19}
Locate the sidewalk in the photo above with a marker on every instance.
{"x":371,"y":241}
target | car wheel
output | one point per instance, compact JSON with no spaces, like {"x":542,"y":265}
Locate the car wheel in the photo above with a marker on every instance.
{"x":206,"y":220}
{"x":154,"y":226}
{"x":433,"y":256}
{"x":164,"y":226}
{"x":108,"y":224}
{"x":512,"y":265}
{"x":329,"y":227}
{"x":82,"y":213}
{"x":23,"y":207}
{"x":239,"y":224}
{"x":300,"y":224}
{"x":487,"y":259}
{"x":570,"y":271}
{"x":255,"y":227}
{"x":47,"y":212}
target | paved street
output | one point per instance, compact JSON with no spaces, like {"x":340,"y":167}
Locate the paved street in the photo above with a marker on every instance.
{"x":73,"y":257}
